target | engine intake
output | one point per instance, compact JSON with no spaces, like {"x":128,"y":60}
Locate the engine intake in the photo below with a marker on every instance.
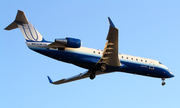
{"x":69,"y":42}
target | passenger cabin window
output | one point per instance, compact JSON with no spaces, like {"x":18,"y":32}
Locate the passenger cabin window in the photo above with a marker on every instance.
{"x":122,"y":56}
{"x":93,"y":51}
{"x":98,"y":52}
{"x":127,"y":57}
{"x":136,"y":59}
{"x":145,"y":60}
{"x":131,"y":58}
{"x":141,"y":60}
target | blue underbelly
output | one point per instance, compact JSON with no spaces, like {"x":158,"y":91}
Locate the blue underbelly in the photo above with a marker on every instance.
{"x":89,"y":61}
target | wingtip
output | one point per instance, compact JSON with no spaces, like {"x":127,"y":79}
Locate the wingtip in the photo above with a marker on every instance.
{"x":110,"y":22}
{"x":50,"y":81}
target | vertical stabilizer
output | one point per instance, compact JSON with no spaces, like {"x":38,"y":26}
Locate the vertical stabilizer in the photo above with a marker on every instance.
{"x":28,"y":30}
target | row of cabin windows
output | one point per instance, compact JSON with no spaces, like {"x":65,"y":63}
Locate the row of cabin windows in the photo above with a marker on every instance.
{"x":132,"y":59}
{"x":95,"y":52}
{"x":123,"y":57}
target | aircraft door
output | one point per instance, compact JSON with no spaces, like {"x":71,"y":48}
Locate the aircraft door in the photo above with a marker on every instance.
{"x":151,"y":66}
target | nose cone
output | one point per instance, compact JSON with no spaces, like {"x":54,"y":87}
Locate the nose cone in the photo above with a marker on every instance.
{"x":170,"y":74}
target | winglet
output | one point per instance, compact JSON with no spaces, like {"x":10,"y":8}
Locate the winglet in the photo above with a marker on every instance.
{"x":110,"y":22}
{"x":50,"y":81}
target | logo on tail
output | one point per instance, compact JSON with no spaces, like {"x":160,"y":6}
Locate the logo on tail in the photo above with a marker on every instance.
{"x":29,"y":32}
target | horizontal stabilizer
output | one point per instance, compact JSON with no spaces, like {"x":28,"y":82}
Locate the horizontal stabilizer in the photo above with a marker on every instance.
{"x":13,"y":25}
{"x":29,"y":32}
{"x":20,"y":18}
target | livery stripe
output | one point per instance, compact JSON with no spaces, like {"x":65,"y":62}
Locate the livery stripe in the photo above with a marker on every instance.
{"x":31,"y":32}
{"x":25,"y":32}
{"x":36,"y":33}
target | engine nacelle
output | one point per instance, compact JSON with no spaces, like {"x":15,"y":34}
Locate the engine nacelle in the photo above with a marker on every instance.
{"x":69,"y":42}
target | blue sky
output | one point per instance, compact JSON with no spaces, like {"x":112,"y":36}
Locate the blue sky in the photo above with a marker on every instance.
{"x":147,"y":29}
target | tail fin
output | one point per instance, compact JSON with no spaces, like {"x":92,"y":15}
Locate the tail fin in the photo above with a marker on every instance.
{"x":27,"y":29}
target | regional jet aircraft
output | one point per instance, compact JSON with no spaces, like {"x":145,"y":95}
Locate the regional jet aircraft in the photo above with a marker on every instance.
{"x":96,"y":62}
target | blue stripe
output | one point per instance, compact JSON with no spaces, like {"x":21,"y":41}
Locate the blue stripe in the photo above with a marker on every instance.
{"x":89,"y":61}
{"x":36,"y":33}
{"x":25,"y":31}
{"x":31,"y":33}
{"x":39,"y":41}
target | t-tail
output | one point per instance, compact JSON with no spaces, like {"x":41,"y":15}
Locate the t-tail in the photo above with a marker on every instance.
{"x":29,"y":32}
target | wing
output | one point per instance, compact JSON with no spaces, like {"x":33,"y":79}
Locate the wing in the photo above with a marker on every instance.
{"x":74,"y":78}
{"x":110,"y":52}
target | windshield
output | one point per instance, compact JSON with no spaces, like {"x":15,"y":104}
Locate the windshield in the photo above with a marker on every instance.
{"x":160,"y":63}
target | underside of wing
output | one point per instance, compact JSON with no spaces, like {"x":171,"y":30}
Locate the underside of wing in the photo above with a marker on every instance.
{"x":110,"y":52}
{"x":74,"y":78}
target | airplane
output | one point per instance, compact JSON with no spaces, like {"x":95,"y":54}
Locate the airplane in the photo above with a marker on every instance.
{"x":96,"y":62}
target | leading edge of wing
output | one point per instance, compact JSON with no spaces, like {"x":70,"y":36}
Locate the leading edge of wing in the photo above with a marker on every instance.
{"x":73,"y":78}
{"x":76,"y":77}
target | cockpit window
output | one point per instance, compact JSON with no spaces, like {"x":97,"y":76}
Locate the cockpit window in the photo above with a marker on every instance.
{"x":160,"y":63}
